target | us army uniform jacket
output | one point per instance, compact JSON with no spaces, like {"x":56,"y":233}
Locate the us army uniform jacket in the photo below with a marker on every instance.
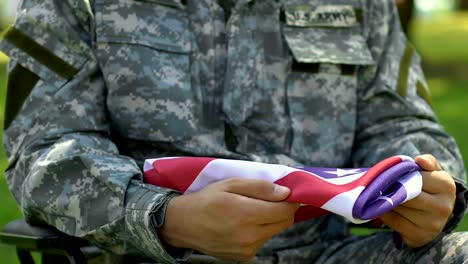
{"x":318,"y":82}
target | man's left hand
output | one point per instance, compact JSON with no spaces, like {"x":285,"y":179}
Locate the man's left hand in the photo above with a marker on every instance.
{"x":421,"y":219}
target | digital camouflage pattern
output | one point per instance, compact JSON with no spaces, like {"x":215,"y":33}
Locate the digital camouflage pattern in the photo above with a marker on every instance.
{"x":159,"y":78}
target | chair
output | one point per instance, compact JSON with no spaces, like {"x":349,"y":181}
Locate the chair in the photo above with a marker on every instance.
{"x":54,"y":246}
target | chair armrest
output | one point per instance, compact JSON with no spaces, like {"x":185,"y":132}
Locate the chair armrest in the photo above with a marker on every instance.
{"x":26,"y":236}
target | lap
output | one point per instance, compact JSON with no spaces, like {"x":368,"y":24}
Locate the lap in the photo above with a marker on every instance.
{"x":374,"y":248}
{"x":379,"y":248}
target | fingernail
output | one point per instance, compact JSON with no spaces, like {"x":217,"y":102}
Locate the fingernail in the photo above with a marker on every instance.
{"x":281,"y":190}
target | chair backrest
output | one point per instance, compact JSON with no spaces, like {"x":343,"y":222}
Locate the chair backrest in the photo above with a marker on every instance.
{"x":54,"y":246}
{"x":20,"y":83}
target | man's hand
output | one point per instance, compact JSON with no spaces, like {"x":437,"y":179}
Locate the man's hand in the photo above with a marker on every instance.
{"x":230,"y":219}
{"x":420,"y":220}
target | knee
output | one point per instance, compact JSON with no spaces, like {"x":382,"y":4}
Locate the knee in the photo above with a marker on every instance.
{"x":453,"y":248}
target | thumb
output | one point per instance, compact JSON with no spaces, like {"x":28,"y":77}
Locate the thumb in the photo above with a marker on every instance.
{"x":428,"y":162}
{"x":258,"y":189}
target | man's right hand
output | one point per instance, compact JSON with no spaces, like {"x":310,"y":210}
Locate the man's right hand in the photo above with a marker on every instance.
{"x":230,"y":219}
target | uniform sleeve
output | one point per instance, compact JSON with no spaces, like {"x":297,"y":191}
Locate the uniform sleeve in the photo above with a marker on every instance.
{"x":394,"y":108}
{"x":63,"y":168}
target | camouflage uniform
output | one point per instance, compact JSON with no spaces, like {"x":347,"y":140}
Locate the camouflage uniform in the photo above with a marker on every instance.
{"x":324,"y":83}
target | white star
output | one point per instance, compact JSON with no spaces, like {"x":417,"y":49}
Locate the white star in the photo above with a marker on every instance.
{"x":344,"y":172}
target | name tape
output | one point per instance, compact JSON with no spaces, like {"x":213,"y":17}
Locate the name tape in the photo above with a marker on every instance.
{"x":321,"y":16}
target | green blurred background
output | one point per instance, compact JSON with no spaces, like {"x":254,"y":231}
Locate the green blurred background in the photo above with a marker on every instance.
{"x":439,"y":30}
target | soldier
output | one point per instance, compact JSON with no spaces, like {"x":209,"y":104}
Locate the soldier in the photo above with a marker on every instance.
{"x":318,"y":83}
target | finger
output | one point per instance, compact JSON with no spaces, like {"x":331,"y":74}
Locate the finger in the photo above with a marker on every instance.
{"x":258,"y":189}
{"x":436,"y":205}
{"x":417,"y":217}
{"x":249,"y":252}
{"x":428,"y":162}
{"x":261,"y":233}
{"x":412,"y":235}
{"x":267,"y":231}
{"x":264,"y":212}
{"x":421,"y":202}
{"x":436,"y":182}
{"x":257,"y":239}
{"x":244,"y":246}
{"x":398,"y":222}
{"x":424,"y":220}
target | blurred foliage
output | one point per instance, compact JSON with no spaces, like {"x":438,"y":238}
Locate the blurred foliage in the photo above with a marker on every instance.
{"x":462,"y":4}
{"x":442,"y":38}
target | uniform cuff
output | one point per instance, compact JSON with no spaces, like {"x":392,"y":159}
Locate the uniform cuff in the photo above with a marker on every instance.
{"x":460,"y":207}
{"x":145,"y":203}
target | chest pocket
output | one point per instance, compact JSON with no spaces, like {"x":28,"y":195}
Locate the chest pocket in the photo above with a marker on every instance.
{"x":144,"y":50}
{"x":322,"y":90}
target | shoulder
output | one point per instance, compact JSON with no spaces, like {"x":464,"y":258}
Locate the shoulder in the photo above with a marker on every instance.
{"x":50,"y":38}
{"x":59,"y":17}
{"x":380,"y":13}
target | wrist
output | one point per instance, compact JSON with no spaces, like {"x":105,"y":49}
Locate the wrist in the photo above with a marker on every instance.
{"x":171,"y":228}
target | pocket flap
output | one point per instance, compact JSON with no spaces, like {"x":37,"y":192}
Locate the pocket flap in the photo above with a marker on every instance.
{"x":150,"y":24}
{"x":328,"y":45}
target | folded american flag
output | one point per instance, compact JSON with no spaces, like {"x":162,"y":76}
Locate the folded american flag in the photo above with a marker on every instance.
{"x":358,"y":194}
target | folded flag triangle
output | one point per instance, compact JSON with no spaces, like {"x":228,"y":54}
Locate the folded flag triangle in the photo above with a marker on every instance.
{"x":358,"y":194}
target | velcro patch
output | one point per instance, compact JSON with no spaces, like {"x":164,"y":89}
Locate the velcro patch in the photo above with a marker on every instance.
{"x":321,"y":16}
{"x":40,"y":53}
